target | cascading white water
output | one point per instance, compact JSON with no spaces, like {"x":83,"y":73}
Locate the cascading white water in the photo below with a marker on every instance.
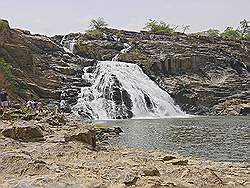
{"x":127,"y":47}
{"x":68,"y":45}
{"x":123,"y":90}
{"x":72,"y":45}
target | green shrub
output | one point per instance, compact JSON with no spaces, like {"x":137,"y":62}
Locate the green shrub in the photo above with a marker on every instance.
{"x":26,"y":110}
{"x":232,"y":33}
{"x":22,"y":85}
{"x":95,"y":33}
{"x":96,"y":27}
{"x":209,"y":33}
{"x":196,"y":34}
{"x":158,"y":27}
{"x":212,"y":33}
{"x":6,"y":71}
{"x":3,"y":24}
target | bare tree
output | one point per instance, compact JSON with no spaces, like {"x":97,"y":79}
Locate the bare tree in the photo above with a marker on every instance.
{"x":185,"y":28}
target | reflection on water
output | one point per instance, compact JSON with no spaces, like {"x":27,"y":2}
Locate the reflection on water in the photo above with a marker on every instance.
{"x":216,"y":138}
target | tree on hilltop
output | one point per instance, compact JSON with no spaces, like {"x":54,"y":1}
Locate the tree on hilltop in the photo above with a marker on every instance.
{"x":98,"y":23}
{"x":158,"y":27}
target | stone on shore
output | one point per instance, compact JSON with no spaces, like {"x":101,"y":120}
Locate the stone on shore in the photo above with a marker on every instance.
{"x":23,"y":131}
{"x":150,"y":171}
{"x":168,"y":158}
{"x":130,"y":179}
{"x":180,"y":162}
{"x":87,"y":136}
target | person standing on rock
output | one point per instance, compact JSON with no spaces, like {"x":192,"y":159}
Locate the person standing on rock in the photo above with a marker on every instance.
{"x":62,"y":106}
{"x":39,"y":107}
{"x":0,"y":98}
{"x":4,"y":99}
{"x":1,"y":109}
{"x":32,"y":106}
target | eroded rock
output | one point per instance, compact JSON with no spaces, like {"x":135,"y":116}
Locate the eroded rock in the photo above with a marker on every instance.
{"x":180,"y":162}
{"x":130,"y":179}
{"x":87,"y":136}
{"x":24,"y":132}
{"x":150,"y":171}
{"x":167,"y":158}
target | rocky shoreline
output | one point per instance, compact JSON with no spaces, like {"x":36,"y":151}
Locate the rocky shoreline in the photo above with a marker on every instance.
{"x":60,"y":151}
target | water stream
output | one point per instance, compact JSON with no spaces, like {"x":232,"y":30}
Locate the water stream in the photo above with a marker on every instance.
{"x":126,"y":49}
{"x":68,"y":45}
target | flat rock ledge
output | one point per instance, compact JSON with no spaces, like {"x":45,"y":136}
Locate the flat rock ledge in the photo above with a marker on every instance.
{"x":63,"y":153}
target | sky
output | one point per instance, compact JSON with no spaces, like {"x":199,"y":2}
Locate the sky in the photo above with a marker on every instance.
{"x":52,"y":17}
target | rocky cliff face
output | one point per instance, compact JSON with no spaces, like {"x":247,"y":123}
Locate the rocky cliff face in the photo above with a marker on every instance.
{"x":42,"y":67}
{"x":208,"y":76}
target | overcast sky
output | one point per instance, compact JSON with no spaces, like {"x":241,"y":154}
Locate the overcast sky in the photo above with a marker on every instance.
{"x":63,"y":16}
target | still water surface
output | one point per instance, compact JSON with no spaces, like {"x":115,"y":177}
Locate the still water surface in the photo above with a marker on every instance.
{"x":216,"y":138}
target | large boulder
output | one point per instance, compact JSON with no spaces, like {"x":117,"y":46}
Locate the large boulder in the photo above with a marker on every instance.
{"x":130,"y":179}
{"x":23,"y":131}
{"x":86,"y":136}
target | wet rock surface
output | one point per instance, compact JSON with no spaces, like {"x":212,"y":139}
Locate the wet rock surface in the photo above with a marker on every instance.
{"x":106,"y":133}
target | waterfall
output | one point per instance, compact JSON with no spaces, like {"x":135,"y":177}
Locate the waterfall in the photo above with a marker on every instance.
{"x":122,"y":90}
{"x":68,"y":45}
{"x":71,"y":45}
{"x":127,"y":47}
